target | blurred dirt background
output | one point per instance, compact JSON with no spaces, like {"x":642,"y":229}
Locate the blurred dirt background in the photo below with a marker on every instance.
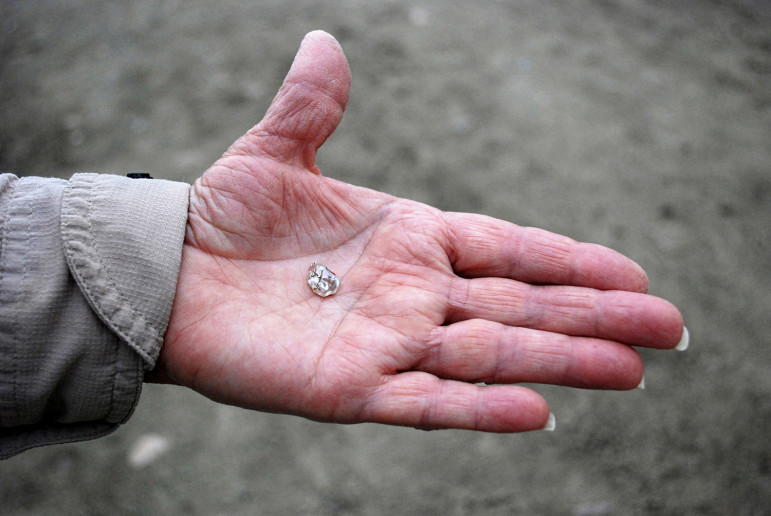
{"x":641,"y":125}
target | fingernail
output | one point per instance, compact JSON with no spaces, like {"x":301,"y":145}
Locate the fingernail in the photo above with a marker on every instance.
{"x":641,"y":385}
{"x":684,"y":340}
{"x":551,"y":424}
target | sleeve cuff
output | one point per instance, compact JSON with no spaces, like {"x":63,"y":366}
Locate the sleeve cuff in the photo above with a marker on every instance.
{"x":123,"y":242}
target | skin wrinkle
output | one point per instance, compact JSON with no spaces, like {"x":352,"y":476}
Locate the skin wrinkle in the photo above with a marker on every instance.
{"x":457,"y":297}
{"x":567,"y":360}
{"x":295,"y":234}
{"x":576,"y":307}
{"x":437,"y":231}
{"x":584,"y":254}
{"x":267,"y":194}
{"x":370,"y":399}
{"x":429,"y":405}
{"x":312,"y":379}
{"x":422,"y":252}
{"x":517,"y":266}
{"x":572,"y":264}
{"x":598,"y":315}
{"x":410,"y":247}
{"x":207,"y":203}
{"x":407,"y":314}
{"x":334,"y":218}
{"x":500,"y":346}
{"x":383,"y":206}
{"x":537,"y":306}
{"x":531,"y":353}
{"x":549,"y":358}
{"x":480,"y":237}
{"x":205,"y":312}
{"x":290,"y":103}
{"x":379,"y":319}
{"x":399,"y":394}
{"x":512,"y":338}
{"x":406,"y":355}
{"x":364,"y":248}
{"x":456,"y":339}
{"x":470,"y":354}
{"x":346,"y":216}
{"x":432,"y":351}
{"x":386,"y":231}
{"x":451,"y":239}
{"x":330,"y":218}
{"x":551,"y":257}
{"x":375,"y":220}
{"x":532,"y":312}
{"x":274,"y":310}
{"x":465,"y":343}
{"x":482,"y":297}
{"x":192,"y":236}
{"x":268,"y":150}
{"x":320,"y":89}
{"x":332,"y":334}
{"x":263,"y":188}
{"x":235,"y":181}
{"x":281,"y":206}
{"x":417,"y":275}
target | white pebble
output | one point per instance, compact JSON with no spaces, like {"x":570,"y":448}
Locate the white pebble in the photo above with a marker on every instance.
{"x":147,"y":449}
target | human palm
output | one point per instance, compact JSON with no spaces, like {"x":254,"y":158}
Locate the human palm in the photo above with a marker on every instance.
{"x":430,"y":305}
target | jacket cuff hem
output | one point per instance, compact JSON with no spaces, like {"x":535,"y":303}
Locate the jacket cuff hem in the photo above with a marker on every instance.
{"x":122,"y":239}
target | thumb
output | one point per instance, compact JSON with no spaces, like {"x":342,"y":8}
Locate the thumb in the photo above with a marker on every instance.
{"x":308,"y":107}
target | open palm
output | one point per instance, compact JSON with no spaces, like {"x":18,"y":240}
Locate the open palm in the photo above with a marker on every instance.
{"x":431,"y":303}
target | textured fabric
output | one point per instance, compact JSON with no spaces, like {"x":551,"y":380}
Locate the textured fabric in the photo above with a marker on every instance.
{"x":123,"y":242}
{"x":88,"y":270}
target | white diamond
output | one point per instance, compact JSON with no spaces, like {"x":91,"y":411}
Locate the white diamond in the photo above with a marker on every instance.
{"x":322,"y":281}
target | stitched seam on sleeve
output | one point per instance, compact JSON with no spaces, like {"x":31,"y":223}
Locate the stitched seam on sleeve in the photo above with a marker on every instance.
{"x":114,"y":379}
{"x":101,"y":272}
{"x":123,"y":378}
{"x":14,"y":326}
{"x":3,"y":244}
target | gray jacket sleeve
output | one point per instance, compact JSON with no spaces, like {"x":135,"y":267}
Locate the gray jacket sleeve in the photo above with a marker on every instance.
{"x":88,"y":271}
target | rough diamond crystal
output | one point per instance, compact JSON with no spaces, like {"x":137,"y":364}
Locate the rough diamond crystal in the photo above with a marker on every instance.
{"x":322,"y":281}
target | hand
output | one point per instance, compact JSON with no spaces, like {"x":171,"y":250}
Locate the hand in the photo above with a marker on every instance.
{"x":430,"y":302}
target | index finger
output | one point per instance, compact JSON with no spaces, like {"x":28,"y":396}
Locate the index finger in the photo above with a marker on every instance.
{"x":482,"y":246}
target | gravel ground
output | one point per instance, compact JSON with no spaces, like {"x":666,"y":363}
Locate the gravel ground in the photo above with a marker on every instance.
{"x":641,"y":125}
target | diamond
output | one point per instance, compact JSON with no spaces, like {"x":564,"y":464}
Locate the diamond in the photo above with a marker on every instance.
{"x":322,"y":281}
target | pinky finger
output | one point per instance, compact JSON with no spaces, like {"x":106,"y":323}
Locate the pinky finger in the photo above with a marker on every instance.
{"x":422,"y":400}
